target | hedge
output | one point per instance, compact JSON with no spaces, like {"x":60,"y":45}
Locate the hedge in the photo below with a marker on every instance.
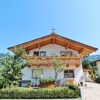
{"x":72,"y":86}
{"x":45,"y":93}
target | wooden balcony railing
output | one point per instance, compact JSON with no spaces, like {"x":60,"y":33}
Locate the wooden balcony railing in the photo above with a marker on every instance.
{"x":48,"y":60}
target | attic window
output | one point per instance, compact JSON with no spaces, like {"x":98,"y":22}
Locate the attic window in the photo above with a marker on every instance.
{"x":62,"y":53}
{"x":36,"y":53}
{"x":28,"y":53}
{"x":42,"y":53}
{"x":69,"y":53}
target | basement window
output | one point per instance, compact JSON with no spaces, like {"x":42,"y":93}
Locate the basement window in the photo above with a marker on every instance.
{"x":69,"y":73}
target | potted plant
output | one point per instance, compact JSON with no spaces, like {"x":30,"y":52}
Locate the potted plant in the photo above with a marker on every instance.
{"x":29,"y":84}
{"x":47,"y":82}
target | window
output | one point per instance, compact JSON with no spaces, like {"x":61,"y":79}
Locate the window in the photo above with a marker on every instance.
{"x":37,"y":73}
{"x":28,"y":53}
{"x":36,"y":53}
{"x":62,"y":53}
{"x":69,"y":53}
{"x":42,"y":53}
{"x":69,"y":73}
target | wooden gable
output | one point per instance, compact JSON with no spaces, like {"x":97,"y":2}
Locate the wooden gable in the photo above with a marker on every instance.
{"x":53,"y":38}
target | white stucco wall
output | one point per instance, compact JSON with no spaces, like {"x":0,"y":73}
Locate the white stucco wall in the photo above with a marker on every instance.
{"x":49,"y":71}
{"x":53,"y":50}
{"x":78,"y":73}
{"x":98,"y":66}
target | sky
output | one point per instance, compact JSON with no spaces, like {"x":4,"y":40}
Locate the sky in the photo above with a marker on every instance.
{"x":25,"y":20}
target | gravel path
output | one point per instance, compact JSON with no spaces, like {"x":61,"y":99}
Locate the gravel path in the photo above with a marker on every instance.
{"x":92,"y":91}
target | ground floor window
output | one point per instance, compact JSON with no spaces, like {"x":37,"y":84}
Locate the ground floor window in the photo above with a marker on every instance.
{"x":69,"y":73}
{"x":37,"y":73}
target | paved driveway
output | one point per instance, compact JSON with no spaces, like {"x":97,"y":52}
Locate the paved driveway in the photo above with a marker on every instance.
{"x":92,"y":91}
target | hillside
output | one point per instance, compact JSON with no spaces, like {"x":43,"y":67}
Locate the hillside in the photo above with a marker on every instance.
{"x":92,"y":58}
{"x":2,"y":55}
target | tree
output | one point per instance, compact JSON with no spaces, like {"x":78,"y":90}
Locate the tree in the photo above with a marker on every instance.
{"x":11,"y":66}
{"x":57,"y":65}
{"x":94,"y":65}
{"x":85,"y":64}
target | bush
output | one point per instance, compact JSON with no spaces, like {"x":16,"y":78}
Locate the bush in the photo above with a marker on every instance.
{"x":46,"y":80}
{"x":72,"y":87}
{"x":97,"y":80}
{"x":46,"y":93}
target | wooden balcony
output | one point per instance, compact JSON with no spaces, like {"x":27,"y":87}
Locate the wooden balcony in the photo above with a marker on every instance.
{"x":48,"y":60}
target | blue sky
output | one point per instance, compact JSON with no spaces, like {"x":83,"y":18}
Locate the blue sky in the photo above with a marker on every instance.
{"x":24,"y":20}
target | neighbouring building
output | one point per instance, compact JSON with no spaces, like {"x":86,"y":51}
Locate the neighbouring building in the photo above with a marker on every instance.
{"x":97,"y":63}
{"x":41,"y":51}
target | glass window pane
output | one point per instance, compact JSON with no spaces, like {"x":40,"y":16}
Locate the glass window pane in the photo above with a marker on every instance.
{"x":42,"y":53}
{"x":69,"y":53}
{"x":71,"y":73}
{"x":66,"y":73}
{"x":62,"y":53}
{"x":36,"y":53}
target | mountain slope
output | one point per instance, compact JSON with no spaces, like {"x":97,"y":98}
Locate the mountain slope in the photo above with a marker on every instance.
{"x":2,"y":55}
{"x":92,"y":58}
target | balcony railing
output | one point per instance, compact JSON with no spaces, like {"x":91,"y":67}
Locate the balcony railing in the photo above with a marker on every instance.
{"x":48,"y":60}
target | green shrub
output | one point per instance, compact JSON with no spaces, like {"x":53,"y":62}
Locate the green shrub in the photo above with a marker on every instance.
{"x":97,"y":80}
{"x":46,"y":80}
{"x":72,"y":87}
{"x":30,"y":93}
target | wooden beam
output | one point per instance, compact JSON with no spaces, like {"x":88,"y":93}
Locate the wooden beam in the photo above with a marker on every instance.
{"x":39,"y":45}
{"x":67,"y":45}
{"x":53,"y":41}
{"x":81,"y":51}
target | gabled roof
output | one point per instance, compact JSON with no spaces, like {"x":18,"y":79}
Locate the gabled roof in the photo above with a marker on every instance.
{"x":53,"y":38}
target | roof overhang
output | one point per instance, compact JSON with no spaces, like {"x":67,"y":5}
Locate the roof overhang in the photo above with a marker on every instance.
{"x":53,"y":38}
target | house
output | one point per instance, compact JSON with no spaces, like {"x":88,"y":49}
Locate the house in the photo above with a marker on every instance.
{"x":41,"y":51}
{"x":97,"y":63}
{"x":87,"y":76}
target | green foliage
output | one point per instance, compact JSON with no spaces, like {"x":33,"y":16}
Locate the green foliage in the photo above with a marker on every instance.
{"x":3,"y":82}
{"x":29,"y":83}
{"x":57,"y":65}
{"x":85,"y":64}
{"x":72,"y":87}
{"x":11,"y":66}
{"x":46,"y":80}
{"x":46,"y":93}
{"x":95,"y":70}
